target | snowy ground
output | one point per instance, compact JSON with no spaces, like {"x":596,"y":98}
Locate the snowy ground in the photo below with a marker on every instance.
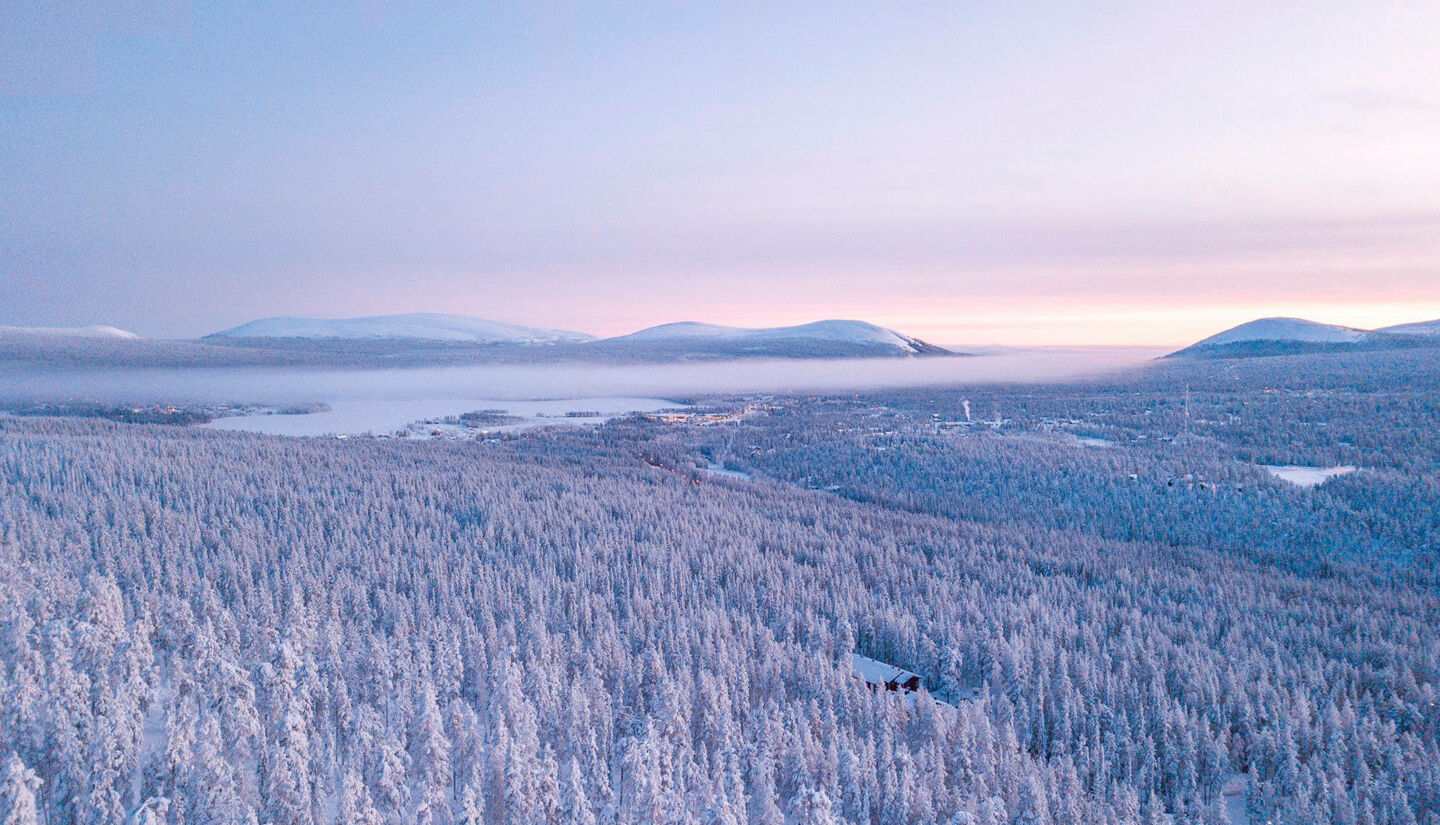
{"x":1233,"y":792}
{"x":1306,"y":476}
{"x":715,"y":469}
{"x":387,"y":416}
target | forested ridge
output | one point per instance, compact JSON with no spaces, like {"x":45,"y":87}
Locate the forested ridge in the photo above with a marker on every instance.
{"x":585,"y":627}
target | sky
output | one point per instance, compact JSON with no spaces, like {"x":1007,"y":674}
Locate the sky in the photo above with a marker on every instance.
{"x":970,"y":173}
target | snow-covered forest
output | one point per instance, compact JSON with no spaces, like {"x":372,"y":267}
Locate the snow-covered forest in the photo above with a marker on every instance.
{"x":1117,"y":616}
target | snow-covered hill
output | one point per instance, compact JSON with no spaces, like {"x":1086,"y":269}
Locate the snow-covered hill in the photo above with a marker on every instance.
{"x":1419,"y":328}
{"x":1291,"y":336}
{"x":71,"y":332}
{"x":1285,"y":329}
{"x":1281,"y":336}
{"x":425,"y":339}
{"x":414,"y":327}
{"x":845,"y":333}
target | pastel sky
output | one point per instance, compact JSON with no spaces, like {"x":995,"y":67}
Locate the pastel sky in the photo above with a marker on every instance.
{"x":1017,"y":173}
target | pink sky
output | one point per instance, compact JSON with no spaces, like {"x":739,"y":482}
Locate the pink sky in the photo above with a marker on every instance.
{"x":1017,"y":173}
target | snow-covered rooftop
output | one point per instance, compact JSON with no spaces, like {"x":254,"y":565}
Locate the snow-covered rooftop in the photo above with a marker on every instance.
{"x":877,"y":672}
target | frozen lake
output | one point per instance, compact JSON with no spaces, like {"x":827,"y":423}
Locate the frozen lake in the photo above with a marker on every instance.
{"x":380,"y":416}
{"x":1303,"y":476}
{"x":382,"y":401}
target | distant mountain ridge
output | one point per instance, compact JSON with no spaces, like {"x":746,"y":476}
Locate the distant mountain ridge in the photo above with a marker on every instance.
{"x":860,"y":334}
{"x":418,"y":326}
{"x":676,"y":341}
{"x":1417,"y":328}
{"x":97,"y":331}
{"x":464,"y":329}
{"x":430,"y":339}
{"x":1292,"y":336}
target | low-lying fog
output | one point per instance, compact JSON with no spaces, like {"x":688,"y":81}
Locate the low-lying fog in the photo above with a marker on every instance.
{"x":383,"y":400}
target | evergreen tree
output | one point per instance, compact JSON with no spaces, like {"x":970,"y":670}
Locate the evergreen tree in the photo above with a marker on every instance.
{"x":356,"y":806}
{"x":812,"y":807}
{"x":17,"y":794}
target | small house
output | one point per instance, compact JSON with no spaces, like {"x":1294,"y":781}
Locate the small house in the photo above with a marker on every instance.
{"x":877,"y":674}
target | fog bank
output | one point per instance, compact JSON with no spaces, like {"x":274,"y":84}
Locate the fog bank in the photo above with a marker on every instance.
{"x":554,"y":381}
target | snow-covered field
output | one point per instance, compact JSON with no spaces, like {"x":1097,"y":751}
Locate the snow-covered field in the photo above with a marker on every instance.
{"x":1303,"y":476}
{"x":715,"y":469}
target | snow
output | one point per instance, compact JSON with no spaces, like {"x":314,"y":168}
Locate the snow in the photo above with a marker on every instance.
{"x":152,"y":734}
{"x":1236,"y":812}
{"x":385,"y":416}
{"x":1303,"y":331}
{"x":715,"y":469}
{"x":71,"y":332}
{"x":853,"y":332}
{"x":413,"y":326}
{"x":1419,"y":328}
{"x":876,"y":672}
{"x":1303,"y":476}
{"x":1285,"y":329}
{"x":1233,"y":792}
{"x":1090,"y":441}
{"x":968,"y":693}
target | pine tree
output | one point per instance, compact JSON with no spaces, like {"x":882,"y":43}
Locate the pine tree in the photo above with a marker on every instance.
{"x":17,"y":794}
{"x":547,"y":787}
{"x":641,"y":788}
{"x":1153,"y":812}
{"x":286,"y":780}
{"x":287,"y":788}
{"x":992,"y":812}
{"x":764,"y":807}
{"x":1033,"y":805}
{"x":430,"y":759}
{"x":356,"y":807}
{"x":811,"y":807}
{"x":392,"y":769}
{"x":109,"y":764}
{"x":153,"y":811}
{"x":207,"y":790}
{"x":472,"y":803}
{"x":574,"y":805}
